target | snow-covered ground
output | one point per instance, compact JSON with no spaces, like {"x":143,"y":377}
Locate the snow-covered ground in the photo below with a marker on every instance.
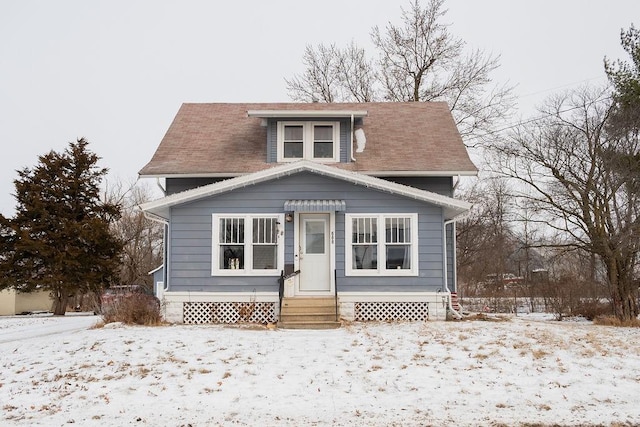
{"x":57,"y":371}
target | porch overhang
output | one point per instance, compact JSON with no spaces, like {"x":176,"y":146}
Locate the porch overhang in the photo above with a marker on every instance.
{"x":315,"y":205}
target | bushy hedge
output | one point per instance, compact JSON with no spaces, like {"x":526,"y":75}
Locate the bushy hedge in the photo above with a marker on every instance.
{"x":135,"y":308}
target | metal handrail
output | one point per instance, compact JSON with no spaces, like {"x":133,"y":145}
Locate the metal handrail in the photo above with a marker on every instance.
{"x":281,"y":280}
{"x":335,"y":290}
{"x":280,"y":291}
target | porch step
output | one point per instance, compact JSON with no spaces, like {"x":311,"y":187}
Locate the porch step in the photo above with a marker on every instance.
{"x":310,"y":325}
{"x":308,"y":313}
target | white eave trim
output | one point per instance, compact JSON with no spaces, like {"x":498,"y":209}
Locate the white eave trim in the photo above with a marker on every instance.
{"x":265,"y":114}
{"x":399,"y":173}
{"x":160,"y":208}
{"x":420,"y":173}
{"x":194,"y":175}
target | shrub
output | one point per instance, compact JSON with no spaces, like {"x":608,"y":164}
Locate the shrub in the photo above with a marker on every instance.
{"x":135,"y":308}
{"x":592,"y":308}
{"x":614,"y":321}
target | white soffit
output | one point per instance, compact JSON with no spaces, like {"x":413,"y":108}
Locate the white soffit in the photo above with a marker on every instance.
{"x":289,"y":114}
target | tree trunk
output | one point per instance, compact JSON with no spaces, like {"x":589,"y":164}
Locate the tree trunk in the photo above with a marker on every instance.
{"x":60,"y":299}
{"x":623,"y":293}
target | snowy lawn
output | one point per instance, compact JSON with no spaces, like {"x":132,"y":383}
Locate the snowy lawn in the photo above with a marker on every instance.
{"x":527,"y":370}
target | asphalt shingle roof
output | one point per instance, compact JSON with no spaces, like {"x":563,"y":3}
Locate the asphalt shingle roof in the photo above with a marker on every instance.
{"x":219,"y":138}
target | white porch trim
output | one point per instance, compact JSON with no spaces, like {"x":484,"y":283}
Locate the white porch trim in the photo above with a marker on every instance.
{"x":172,"y":302}
{"x":437,"y":301}
{"x":391,"y":296}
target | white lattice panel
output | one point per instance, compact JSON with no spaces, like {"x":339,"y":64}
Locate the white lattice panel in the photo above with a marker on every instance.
{"x":229,"y":312}
{"x":386,"y":311}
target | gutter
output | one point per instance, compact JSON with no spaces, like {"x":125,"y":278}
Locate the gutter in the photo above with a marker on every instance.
{"x":156,"y":218}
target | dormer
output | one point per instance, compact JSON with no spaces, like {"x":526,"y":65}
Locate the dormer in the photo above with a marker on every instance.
{"x":324,"y":136}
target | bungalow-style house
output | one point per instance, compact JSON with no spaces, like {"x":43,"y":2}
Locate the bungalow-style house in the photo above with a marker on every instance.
{"x":303,"y":214}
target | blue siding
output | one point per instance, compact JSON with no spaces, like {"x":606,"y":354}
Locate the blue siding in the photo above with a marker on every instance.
{"x":272,"y":141}
{"x":345,"y":141}
{"x":190,"y":241}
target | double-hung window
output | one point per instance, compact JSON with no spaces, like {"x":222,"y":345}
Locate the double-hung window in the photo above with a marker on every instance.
{"x":247,"y":244}
{"x":309,"y":140}
{"x":381,"y":244}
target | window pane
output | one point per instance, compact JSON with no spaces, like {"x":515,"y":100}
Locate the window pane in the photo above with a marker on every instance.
{"x":323,"y":150}
{"x":264,"y":257}
{"x":323,"y":142}
{"x":364,"y":230}
{"x":293,"y":133}
{"x":231,"y":230}
{"x":398,"y":257}
{"x":264,"y":230}
{"x":293,"y":150}
{"x":323,"y":133}
{"x":231,"y":257}
{"x":398,"y":230}
{"x":314,"y":237}
{"x":365,"y":257}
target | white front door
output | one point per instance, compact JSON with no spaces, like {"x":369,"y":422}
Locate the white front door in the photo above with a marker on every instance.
{"x":314,"y":253}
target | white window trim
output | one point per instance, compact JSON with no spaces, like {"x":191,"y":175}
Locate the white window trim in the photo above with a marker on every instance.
{"x":248,"y":239}
{"x":381,"y":269}
{"x":307,"y":150}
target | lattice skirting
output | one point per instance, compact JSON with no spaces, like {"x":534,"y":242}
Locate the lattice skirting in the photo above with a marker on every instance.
{"x":387,"y":311}
{"x":229,"y":312}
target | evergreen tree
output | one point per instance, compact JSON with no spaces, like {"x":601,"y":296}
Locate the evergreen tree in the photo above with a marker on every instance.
{"x":60,"y":237}
{"x":625,"y":77}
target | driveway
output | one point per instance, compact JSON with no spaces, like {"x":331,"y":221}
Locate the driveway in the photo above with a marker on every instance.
{"x":20,"y":328}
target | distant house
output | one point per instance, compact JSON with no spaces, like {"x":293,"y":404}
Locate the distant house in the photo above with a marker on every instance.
{"x":303,"y":213}
{"x":14,"y":302}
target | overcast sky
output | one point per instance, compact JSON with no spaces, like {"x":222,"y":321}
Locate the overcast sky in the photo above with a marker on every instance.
{"x":117,"y":71}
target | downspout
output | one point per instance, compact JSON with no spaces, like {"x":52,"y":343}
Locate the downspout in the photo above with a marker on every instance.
{"x":164,"y":191}
{"x":446,"y":278}
{"x":455,"y":186}
{"x":165,"y":255}
{"x":353,"y":159}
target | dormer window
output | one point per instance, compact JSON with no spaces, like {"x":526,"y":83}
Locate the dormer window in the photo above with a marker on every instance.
{"x":309,"y":140}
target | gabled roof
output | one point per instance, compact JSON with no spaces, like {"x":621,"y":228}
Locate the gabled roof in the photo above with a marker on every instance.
{"x":403,"y":138}
{"x":159,"y":209}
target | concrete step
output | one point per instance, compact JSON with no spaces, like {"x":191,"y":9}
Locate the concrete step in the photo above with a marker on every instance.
{"x":309,"y":325}
{"x":329,"y":309}
{"x":308,"y":302}
{"x":308,"y":313}
{"x":316,"y":317}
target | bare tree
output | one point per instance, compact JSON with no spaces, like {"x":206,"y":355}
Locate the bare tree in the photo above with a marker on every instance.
{"x":485,"y":239}
{"x":569,"y":167}
{"x":334,"y":75}
{"x":142,"y":237}
{"x":418,"y":60}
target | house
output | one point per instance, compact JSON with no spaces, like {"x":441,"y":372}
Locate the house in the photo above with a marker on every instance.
{"x":14,"y":302}
{"x":290,"y":209}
